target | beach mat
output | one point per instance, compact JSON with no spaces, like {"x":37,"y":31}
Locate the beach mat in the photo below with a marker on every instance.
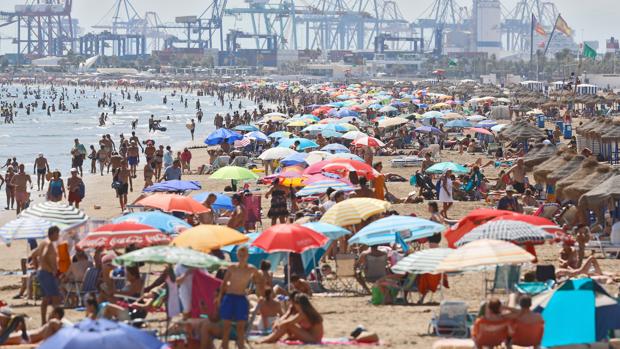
{"x":329,"y":341}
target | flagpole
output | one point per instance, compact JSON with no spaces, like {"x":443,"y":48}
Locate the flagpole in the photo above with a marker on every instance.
{"x":547,"y":45}
{"x":572,"y":106}
{"x":531,"y":42}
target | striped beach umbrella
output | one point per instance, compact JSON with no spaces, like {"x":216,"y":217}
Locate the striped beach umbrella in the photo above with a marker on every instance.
{"x":390,"y":229}
{"x":166,"y":223}
{"x":321,"y":187}
{"x":57,"y":213}
{"x":171,"y":255}
{"x":24,"y":228}
{"x":354,"y":211}
{"x":507,"y":230}
{"x":121,"y":235}
{"x":368,"y":141}
{"x":422,"y":262}
{"x":481,"y":253}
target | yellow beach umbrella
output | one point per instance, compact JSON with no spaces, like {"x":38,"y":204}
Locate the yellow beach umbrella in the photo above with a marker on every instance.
{"x":354,"y":211}
{"x":484,"y":252}
{"x":298,"y":123}
{"x":207,"y":237}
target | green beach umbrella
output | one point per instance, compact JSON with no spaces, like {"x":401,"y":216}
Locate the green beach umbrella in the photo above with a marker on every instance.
{"x":171,"y":255}
{"x":234,"y":172}
{"x":442,"y":167}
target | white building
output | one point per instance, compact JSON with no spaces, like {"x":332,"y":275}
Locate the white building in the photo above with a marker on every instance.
{"x":487,"y":22}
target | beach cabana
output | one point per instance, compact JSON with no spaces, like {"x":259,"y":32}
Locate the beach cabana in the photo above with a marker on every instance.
{"x":610,"y":143}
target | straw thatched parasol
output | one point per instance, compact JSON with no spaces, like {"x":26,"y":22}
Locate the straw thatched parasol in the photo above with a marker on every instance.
{"x":587,"y":126}
{"x":599,"y":129}
{"x":574,"y":191}
{"x":587,"y":167}
{"x":565,"y":170}
{"x":538,"y":154}
{"x":560,"y":159}
{"x":613,"y":132}
{"x":521,"y":130}
{"x":600,"y":195}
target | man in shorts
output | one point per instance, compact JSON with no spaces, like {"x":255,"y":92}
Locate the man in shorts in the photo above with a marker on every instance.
{"x":19,"y":182}
{"x":79,"y":153}
{"x":234,"y":305}
{"x":41,"y":167}
{"x":133,"y":157}
{"x":47,"y":259}
{"x":75,"y":186}
{"x":123,"y":176}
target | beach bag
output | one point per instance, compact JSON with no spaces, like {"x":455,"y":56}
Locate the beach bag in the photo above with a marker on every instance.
{"x":82,"y":190}
{"x":376,"y":297}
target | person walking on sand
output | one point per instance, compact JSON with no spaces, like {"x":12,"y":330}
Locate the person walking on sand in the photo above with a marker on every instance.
{"x":41,"y":167}
{"x":9,"y":189}
{"x":56,"y":188}
{"x":76,"y":188}
{"x":79,"y":154}
{"x":46,"y":257}
{"x":192,"y":128}
{"x":20,"y":185}
{"x":122,"y":176}
{"x":133,"y":157}
{"x":234,"y":305}
{"x":445,"y":193}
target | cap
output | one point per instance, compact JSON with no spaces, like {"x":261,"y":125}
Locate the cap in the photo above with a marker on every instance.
{"x":74,"y":170}
{"x":547,"y":142}
{"x":510,"y":188}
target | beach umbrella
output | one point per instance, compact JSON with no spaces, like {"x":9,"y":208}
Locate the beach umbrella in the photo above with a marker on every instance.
{"x":458,"y":124}
{"x":361,"y":168}
{"x":442,"y":167}
{"x":498,"y":128}
{"x":394,"y":229}
{"x":304,"y":143}
{"x":519,"y":233}
{"x":541,"y":222}
{"x":390,"y":122}
{"x":207,"y":237}
{"x":222,"y":135}
{"x":580,"y":311}
{"x":294,"y":159}
{"x":256,"y":255}
{"x":101,"y":334}
{"x":121,"y":235}
{"x":317,"y":156}
{"x":234,"y":172}
{"x":57,"y":213}
{"x":257,"y":136}
{"x":341,"y":113}
{"x":24,"y":228}
{"x":171,"y":255}
{"x":353,"y":135}
{"x":349,"y":156}
{"x":483,"y":131}
{"x":336,"y":148}
{"x":242,"y":143}
{"x":369,"y":142}
{"x":482,"y":253}
{"x":331,"y":134}
{"x":320,"y":187}
{"x":172,"y":203}
{"x":354,"y":211}
{"x":486,"y":123}
{"x":222,"y":201}
{"x":246,"y":128}
{"x":280,"y":134}
{"x":166,"y":223}
{"x":422,"y":262}
{"x":476,"y":118}
{"x":387,"y":109}
{"x":276,"y":153}
{"x":433,"y":114}
{"x":428,"y":129}
{"x":326,"y":176}
{"x":473,"y":219}
{"x":337,"y":127}
{"x":173,"y":186}
{"x":275,"y":115}
{"x":313,"y":128}
{"x":333,"y":232}
{"x":289,"y":238}
{"x":297,"y":123}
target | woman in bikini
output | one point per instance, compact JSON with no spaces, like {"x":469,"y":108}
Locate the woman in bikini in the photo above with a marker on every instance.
{"x":306,"y":325}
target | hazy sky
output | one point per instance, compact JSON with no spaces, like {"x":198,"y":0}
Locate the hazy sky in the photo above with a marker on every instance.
{"x":591,"y":20}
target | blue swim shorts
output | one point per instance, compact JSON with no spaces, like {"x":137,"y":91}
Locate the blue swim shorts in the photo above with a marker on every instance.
{"x":48,"y":283}
{"x":234,"y":307}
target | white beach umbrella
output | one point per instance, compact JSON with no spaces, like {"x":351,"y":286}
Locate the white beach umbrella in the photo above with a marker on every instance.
{"x":63,"y":215}
{"x":24,"y":228}
{"x":276,"y":153}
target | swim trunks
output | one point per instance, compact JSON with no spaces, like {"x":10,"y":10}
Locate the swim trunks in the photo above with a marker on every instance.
{"x":123,"y":189}
{"x":74,"y":197}
{"x":132,"y":160}
{"x":234,"y":307}
{"x":48,"y":283}
{"x":41,"y":171}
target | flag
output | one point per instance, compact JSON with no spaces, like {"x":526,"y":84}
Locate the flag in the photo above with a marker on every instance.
{"x":588,"y":51}
{"x":537,"y":26}
{"x":561,"y":25}
{"x":452,"y":63}
{"x":542,"y":44}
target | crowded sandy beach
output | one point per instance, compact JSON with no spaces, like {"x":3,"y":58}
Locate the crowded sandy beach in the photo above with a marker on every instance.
{"x":202,"y":214}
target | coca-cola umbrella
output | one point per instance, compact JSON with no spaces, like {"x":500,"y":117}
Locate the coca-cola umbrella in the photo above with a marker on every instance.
{"x":334,"y":165}
{"x":121,"y":235}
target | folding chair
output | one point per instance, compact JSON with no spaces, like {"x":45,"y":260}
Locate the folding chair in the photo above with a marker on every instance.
{"x":344,"y":279}
{"x":506,"y":277}
{"x":88,"y":285}
{"x":604,"y":246}
{"x":219,"y":162}
{"x":452,"y":320}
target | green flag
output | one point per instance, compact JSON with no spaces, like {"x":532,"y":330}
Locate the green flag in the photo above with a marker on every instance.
{"x":588,"y":51}
{"x":452,"y":63}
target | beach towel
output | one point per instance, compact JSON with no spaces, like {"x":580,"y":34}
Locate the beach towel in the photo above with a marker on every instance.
{"x":329,"y":341}
{"x":204,"y":290}
{"x":430,"y":282}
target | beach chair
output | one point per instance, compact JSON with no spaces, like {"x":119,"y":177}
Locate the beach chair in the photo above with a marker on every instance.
{"x":452,"y":320}
{"x":604,"y":246}
{"x":344,"y":279}
{"x":80,"y":289}
{"x":240,"y":161}
{"x":506,"y":277}
{"x":253,"y":209}
{"x":219,"y":162}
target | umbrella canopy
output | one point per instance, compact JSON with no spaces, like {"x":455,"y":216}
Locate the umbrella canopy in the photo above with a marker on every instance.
{"x":362,"y":168}
{"x":206,"y":238}
{"x":428,"y":129}
{"x":422,"y":262}
{"x":56,"y":213}
{"x":507,"y":230}
{"x":580,"y":311}
{"x":353,"y":135}
{"x":480,"y":130}
{"x":172,"y":203}
{"x":171,"y":255}
{"x":333,"y":232}
{"x":256,"y":255}
{"x":246,"y":128}
{"x":391,"y":229}
{"x":166,"y":223}
{"x":24,"y":228}
{"x":304,"y":143}
{"x":257,"y":136}
{"x":234,"y":172}
{"x":289,"y":238}
{"x":101,"y":334}
{"x":349,"y":156}
{"x":498,"y":128}
{"x":484,"y":253}
{"x":368,"y":141}
{"x":354,"y":211}
{"x":222,"y":135}
{"x":442,"y":167}
{"x":280,"y":134}
{"x":294,"y":159}
{"x":473,"y":219}
{"x":276,"y":153}
{"x":320,"y":187}
{"x":121,"y":235}
{"x":390,"y":122}
{"x":222,"y":201}
{"x":173,"y":186}
{"x":458,"y":124}
{"x":336,"y":148}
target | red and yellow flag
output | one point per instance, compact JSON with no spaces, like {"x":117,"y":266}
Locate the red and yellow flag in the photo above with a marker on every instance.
{"x":538,"y":27}
{"x":561,"y":25}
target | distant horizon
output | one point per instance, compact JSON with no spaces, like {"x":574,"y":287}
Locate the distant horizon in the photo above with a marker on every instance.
{"x":585,"y":20}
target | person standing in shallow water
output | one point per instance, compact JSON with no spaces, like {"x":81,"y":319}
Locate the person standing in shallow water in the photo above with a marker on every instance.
{"x":41,"y":167}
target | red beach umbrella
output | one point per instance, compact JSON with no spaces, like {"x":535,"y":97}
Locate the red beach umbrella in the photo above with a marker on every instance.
{"x":121,"y":235}
{"x":289,"y":238}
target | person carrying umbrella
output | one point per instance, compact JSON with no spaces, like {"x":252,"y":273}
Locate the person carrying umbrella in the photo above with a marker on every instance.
{"x":234,"y":305}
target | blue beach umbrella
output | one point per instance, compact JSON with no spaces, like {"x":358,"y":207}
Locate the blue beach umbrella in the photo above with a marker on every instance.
{"x":173,"y":186}
{"x":331,"y":134}
{"x":223,"y":202}
{"x":458,"y":124}
{"x":428,"y":129}
{"x":486,"y":123}
{"x":294,"y":159}
{"x":333,"y":232}
{"x":246,"y":128}
{"x":580,"y":311}
{"x":336,"y":148}
{"x":280,"y":134}
{"x":394,"y":228}
{"x":258,"y":136}
{"x":442,"y":167}
{"x":222,"y":135}
{"x":304,"y":143}
{"x":337,"y":127}
{"x":256,"y":255}
{"x":166,"y":223}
